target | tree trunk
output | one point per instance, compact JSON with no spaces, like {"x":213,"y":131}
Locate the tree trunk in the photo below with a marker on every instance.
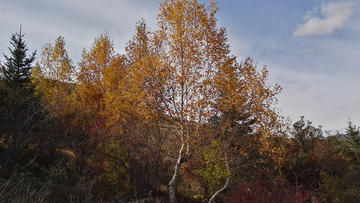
{"x":227,"y":180}
{"x":174,"y":179}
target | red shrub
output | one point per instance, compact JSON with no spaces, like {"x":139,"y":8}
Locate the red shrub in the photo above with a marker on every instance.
{"x":265,"y":190}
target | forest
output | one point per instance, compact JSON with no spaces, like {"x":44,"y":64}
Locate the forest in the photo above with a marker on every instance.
{"x":176,"y":118}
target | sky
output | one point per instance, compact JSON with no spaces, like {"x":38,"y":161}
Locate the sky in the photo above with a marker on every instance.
{"x":311,"y":48}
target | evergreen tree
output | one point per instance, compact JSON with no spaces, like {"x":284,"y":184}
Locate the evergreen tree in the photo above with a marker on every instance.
{"x":21,"y":112}
{"x":17,"y":67}
{"x":353,"y":141}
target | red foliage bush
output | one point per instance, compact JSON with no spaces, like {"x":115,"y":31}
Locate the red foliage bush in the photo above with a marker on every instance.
{"x":265,"y":190}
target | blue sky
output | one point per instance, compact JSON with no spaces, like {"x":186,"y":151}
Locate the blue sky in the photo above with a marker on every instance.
{"x":310,"y":47}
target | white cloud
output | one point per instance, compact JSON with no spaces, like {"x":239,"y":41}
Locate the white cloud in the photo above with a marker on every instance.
{"x":334,"y":15}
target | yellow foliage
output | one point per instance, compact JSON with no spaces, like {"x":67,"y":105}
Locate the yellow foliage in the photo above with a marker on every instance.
{"x":53,"y":76}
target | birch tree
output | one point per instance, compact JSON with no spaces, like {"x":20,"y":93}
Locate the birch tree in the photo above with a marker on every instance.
{"x":54,"y":76}
{"x":194,"y":48}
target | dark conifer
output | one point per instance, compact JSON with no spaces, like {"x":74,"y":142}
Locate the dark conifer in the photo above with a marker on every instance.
{"x":21,"y":112}
{"x":17,"y":67}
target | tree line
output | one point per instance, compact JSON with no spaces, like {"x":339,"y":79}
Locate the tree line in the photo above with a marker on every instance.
{"x":176,"y":118}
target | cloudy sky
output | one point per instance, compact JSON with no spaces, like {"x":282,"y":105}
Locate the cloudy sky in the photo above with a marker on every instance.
{"x":310,"y":47}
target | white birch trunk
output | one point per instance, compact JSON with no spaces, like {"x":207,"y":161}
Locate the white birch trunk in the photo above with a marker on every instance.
{"x":174,"y":179}
{"x":227,"y":180}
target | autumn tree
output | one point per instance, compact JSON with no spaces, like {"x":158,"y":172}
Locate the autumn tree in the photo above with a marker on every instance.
{"x":54,"y":76}
{"x":133,"y":112}
{"x":93,"y":65}
{"x":203,"y":80}
{"x":135,"y":80}
{"x":88,"y":96}
{"x":194,"y":48}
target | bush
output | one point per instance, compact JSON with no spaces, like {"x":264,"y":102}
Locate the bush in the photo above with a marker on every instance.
{"x":266,"y":190}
